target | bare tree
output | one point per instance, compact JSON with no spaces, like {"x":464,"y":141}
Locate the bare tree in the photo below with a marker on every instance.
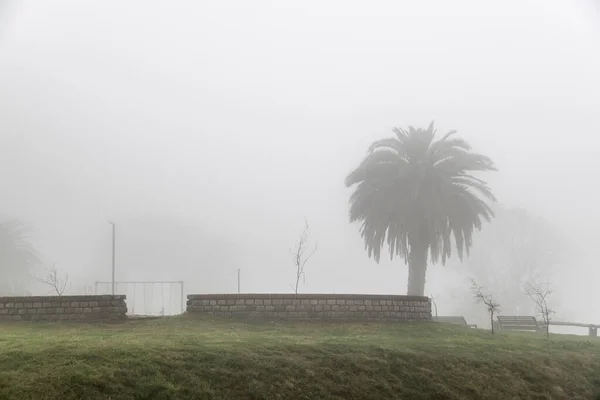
{"x":435,"y":307}
{"x":302,"y":254}
{"x":539,"y":292}
{"x":56,"y":283}
{"x":87,"y":289}
{"x":487,"y":299}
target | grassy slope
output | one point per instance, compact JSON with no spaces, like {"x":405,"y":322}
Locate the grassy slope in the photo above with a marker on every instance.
{"x":181,"y":358}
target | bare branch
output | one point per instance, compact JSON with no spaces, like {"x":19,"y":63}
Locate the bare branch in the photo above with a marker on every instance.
{"x":87,"y":289}
{"x":56,"y":283}
{"x":435,"y":307}
{"x":486,"y":298}
{"x":300,"y":255}
{"x":539,"y":292}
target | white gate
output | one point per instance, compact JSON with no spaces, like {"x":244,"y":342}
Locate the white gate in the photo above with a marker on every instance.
{"x":148,"y":298}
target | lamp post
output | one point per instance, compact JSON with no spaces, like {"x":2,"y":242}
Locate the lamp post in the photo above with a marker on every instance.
{"x":113,"y":256}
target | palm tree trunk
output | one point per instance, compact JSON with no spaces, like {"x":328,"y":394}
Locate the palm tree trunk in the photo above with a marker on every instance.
{"x":417,"y":269}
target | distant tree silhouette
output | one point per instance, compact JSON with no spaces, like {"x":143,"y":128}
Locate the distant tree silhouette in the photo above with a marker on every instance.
{"x":17,"y":255}
{"x":517,"y":247}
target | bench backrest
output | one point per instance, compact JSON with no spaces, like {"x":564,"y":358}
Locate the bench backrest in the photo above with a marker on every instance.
{"x":518,"y":323}
{"x":452,"y":320}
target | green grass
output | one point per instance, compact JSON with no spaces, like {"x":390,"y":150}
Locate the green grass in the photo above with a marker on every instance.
{"x":198,"y":358}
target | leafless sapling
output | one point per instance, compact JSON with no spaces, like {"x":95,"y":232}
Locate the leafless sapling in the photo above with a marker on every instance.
{"x":539,"y":292}
{"x":487,"y":299}
{"x":302,"y":253}
{"x":87,"y":289}
{"x":56,"y":283}
{"x":435,"y":308}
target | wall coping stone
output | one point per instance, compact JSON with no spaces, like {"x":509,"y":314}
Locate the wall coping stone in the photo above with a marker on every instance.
{"x":304,"y":296}
{"x":13,"y":299}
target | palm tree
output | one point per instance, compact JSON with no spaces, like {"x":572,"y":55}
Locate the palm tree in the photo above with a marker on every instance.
{"x":418,"y":193}
{"x":17,"y":255}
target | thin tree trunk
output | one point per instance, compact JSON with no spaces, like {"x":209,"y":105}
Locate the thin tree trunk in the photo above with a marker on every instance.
{"x":417,"y":269}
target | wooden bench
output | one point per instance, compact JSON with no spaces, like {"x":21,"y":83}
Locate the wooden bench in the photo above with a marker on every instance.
{"x":519,"y":323}
{"x":454,"y":320}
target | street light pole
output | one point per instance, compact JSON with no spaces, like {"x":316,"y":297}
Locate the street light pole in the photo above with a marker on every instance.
{"x":113,"y":256}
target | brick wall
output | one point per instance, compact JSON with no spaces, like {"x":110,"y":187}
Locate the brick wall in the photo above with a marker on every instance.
{"x":313,"y":306}
{"x":55,"y":308}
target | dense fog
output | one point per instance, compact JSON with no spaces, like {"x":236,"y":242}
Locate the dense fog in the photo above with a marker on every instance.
{"x":208,"y":132}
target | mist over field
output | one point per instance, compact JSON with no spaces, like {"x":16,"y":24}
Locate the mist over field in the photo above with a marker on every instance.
{"x":208,"y":132}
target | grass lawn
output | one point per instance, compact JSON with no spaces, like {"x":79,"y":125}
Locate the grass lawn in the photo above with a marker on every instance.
{"x":200,"y":358}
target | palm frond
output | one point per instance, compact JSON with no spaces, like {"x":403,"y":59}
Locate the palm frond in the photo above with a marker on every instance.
{"x":414,"y":188}
{"x":387,"y":143}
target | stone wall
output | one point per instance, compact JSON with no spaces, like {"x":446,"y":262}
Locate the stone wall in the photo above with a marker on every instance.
{"x":62,"y":308}
{"x":313,"y":306}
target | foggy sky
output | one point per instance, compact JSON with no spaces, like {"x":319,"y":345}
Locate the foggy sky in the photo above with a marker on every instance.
{"x":242,"y":118}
